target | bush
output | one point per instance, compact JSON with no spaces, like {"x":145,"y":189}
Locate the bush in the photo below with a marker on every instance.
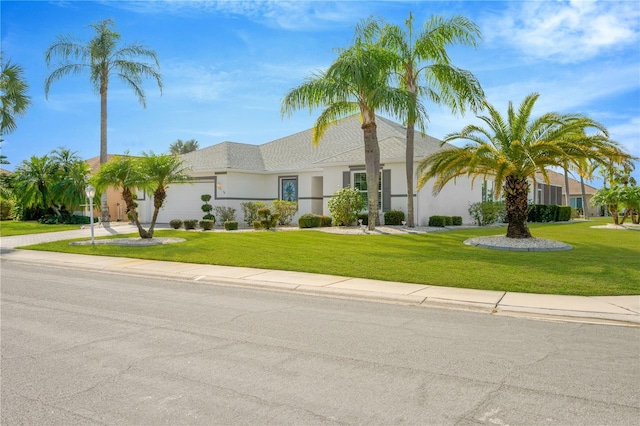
{"x":266,"y":219}
{"x":309,"y":220}
{"x":206,"y":207}
{"x":5,"y":209}
{"x":364,"y":217}
{"x":231,"y":225}
{"x":224,"y":214}
{"x":564,"y":213}
{"x":190,"y":223}
{"x":438,"y":221}
{"x":207,"y":225}
{"x":448,"y":221}
{"x":345,"y":205}
{"x":457,"y":220}
{"x":286,"y":210}
{"x":393,"y":217}
{"x":542,"y":213}
{"x":250,"y":210}
{"x":487,"y":212}
{"x":325,"y":221}
{"x":66,"y":219}
{"x":175,"y":223}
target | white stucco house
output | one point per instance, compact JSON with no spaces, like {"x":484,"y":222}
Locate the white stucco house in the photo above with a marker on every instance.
{"x":291,"y":168}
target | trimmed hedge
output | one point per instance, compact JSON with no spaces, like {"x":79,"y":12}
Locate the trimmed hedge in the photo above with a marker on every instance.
{"x":190,"y":223}
{"x":364,"y":217}
{"x":564,"y":213}
{"x":393,"y":217}
{"x":438,"y":221}
{"x":67,"y":219}
{"x":175,"y":223}
{"x":231,"y":225}
{"x":457,"y":220}
{"x":326,"y":221}
{"x":310,"y":220}
{"x":207,"y":225}
{"x":542,"y":213}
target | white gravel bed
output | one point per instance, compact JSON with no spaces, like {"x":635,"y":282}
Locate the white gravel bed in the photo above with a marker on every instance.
{"x":517,"y":244}
{"x":131,"y":241}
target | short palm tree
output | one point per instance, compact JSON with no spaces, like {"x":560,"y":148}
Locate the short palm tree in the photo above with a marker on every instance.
{"x":13,"y":96}
{"x":424,"y":69}
{"x":183,"y":147}
{"x":355,"y":83}
{"x":511,"y":150}
{"x":101,"y":57}
{"x":33,"y":182}
{"x":151,"y":173}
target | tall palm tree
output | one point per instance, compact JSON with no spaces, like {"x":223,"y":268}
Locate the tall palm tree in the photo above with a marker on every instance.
{"x":511,"y":150}
{"x":102,"y":58}
{"x":13,"y":96}
{"x":424,"y":69}
{"x":355,"y":83}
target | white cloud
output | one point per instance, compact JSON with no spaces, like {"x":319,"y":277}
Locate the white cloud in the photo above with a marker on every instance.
{"x":566,"y":31}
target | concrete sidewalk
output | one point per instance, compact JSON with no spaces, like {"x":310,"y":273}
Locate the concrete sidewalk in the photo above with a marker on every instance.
{"x":623,"y":310}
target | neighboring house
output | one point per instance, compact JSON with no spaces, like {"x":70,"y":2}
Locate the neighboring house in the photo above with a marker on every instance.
{"x":291,"y":168}
{"x":117,"y":207}
{"x":554,"y":192}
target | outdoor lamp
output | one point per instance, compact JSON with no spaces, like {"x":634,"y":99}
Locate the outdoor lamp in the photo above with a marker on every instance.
{"x":91,"y":192}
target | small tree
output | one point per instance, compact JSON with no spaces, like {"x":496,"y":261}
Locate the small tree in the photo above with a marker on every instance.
{"x":286,"y":209}
{"x":345,"y":205}
{"x":266,"y":219}
{"x":206,"y":207}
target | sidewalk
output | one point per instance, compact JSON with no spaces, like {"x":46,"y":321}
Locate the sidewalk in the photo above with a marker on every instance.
{"x":621,"y":310}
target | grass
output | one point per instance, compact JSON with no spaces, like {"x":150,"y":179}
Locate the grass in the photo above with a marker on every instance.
{"x":9,"y":228}
{"x":602,"y":262}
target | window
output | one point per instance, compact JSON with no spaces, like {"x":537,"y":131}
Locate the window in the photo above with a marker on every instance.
{"x":289,"y":189}
{"x":576,"y":202}
{"x":360,"y":183}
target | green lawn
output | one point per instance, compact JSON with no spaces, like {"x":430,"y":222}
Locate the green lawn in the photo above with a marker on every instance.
{"x":9,"y":228}
{"x":602,"y":262}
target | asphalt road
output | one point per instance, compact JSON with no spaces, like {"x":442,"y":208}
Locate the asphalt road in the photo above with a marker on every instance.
{"x":88,"y":348}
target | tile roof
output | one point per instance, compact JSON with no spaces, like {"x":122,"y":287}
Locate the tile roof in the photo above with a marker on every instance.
{"x":342,"y":143}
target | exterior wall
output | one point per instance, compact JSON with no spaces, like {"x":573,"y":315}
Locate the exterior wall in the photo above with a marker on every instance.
{"x":453,"y":200}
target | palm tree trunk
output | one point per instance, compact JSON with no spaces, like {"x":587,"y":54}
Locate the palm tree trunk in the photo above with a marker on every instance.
{"x":516,"y":194}
{"x":409,"y":171}
{"x":567,"y":201}
{"x":372,"y":167}
{"x":104,"y":202}
{"x":127,"y":196}
{"x":585,"y":212}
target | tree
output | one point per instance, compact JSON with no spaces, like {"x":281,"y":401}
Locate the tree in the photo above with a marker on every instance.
{"x":512,"y":149}
{"x":13,"y":96}
{"x":152,"y":173}
{"x":424,"y":69}
{"x":356,"y":82}
{"x":180,"y":147}
{"x":102,"y":58}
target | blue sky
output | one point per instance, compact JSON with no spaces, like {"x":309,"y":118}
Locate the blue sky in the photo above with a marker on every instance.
{"x":227,"y":64}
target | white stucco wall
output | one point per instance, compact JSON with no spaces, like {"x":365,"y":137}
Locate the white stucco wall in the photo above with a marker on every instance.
{"x":453,"y":200}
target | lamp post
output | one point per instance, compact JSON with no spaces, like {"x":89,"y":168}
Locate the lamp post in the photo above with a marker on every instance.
{"x":91,"y":192}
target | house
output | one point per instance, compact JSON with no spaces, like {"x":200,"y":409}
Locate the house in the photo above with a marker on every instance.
{"x":291,"y":168}
{"x":554,"y":192}
{"x":117,"y":207}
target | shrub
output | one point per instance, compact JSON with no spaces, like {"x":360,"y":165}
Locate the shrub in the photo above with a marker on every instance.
{"x":325,"y":220}
{"x":487,"y":212}
{"x":250,"y":210}
{"x":564,"y":213}
{"x":345,"y":205}
{"x":266,"y":219}
{"x":448,"y":221}
{"x":175,"y":223}
{"x":393,"y":217}
{"x":66,"y":219}
{"x":224,"y":214}
{"x":286,"y":209}
{"x":542,"y":213}
{"x":309,"y":220}
{"x":206,"y":207}
{"x":439,"y":221}
{"x":457,"y":220}
{"x":5,"y":209}
{"x":207,"y":224}
{"x":364,"y":217}
{"x":230,"y":225}
{"x":190,"y":223}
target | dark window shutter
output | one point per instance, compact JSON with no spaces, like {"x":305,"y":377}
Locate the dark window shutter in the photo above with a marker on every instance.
{"x":346,"y":179}
{"x":386,"y":190}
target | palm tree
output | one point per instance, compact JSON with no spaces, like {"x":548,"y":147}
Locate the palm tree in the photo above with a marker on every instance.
{"x":101,"y":57}
{"x":33,"y":181}
{"x":71,"y":181}
{"x":161,"y":171}
{"x":356,"y":82}
{"x":151,"y":173}
{"x":183,"y":147}
{"x":13,"y":96}
{"x":512,"y":149}
{"x":424,"y":69}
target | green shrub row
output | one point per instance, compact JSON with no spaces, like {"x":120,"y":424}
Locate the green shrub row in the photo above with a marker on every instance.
{"x":548,"y":213}
{"x":393,"y":217}
{"x":441,"y":221}
{"x":66,"y":219}
{"x":311,"y":220}
{"x":205,"y":224}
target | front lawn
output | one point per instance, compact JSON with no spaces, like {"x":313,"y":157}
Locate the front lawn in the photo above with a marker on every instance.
{"x":602,"y":262}
{"x":9,"y":228}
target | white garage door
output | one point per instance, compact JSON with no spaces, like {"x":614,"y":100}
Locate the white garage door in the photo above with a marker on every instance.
{"x":183,"y":201}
